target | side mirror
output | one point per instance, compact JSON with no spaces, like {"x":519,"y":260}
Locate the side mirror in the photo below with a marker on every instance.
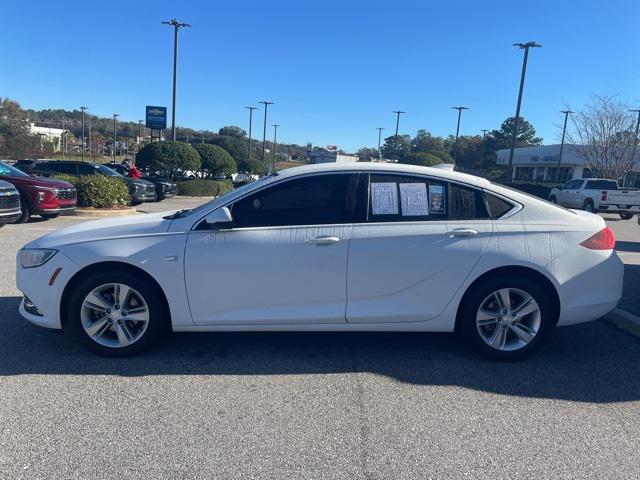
{"x":219,"y":218}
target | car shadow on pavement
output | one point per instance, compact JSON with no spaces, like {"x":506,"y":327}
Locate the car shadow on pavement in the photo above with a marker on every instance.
{"x":593,"y":362}
{"x":627,"y":246}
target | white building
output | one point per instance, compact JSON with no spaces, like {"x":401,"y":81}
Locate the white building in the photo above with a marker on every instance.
{"x":330,"y":155}
{"x":53,"y":135}
{"x":540,"y":164}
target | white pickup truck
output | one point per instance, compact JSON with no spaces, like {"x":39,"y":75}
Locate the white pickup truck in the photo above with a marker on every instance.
{"x":597,"y":195}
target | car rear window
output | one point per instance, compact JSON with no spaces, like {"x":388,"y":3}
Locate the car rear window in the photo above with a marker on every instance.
{"x":602,"y":185}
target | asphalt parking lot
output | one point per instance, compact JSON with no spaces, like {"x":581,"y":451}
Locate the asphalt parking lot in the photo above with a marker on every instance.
{"x":306,"y":405}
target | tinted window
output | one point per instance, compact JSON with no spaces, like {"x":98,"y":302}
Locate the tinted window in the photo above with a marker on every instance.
{"x":497,"y":206}
{"x":61,"y":167}
{"x":399,"y":198}
{"x":314,"y":200}
{"x":103,"y":169}
{"x":85,"y":169}
{"x":466,"y":203}
{"x":8,"y":170}
{"x":602,"y":185}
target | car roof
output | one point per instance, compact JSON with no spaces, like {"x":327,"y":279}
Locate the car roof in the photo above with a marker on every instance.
{"x":393,"y":168}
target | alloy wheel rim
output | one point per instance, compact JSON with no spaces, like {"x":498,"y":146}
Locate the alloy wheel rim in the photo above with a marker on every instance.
{"x":114,"y":315}
{"x":508,"y":319}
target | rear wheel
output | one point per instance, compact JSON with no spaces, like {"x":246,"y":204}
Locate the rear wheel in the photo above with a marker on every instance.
{"x":626,"y":215}
{"x":588,"y":206}
{"x":507,"y":318}
{"x":116,"y":314}
{"x":553,"y":199}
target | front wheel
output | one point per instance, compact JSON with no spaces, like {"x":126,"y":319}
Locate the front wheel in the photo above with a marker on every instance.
{"x":588,"y":206}
{"x":507,"y":318}
{"x":25,"y":211}
{"x":116,"y":314}
{"x":626,"y":215}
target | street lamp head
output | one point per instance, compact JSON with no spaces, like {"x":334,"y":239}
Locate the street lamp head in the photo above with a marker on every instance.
{"x":460,"y":108}
{"x":527,"y":45}
{"x":266,"y":102}
{"x":568,"y":111}
{"x":634,"y":111}
{"x":115,"y":115}
{"x":251,"y":108}
{"x":84,"y":108}
{"x":175,"y":23}
{"x":398,"y":112}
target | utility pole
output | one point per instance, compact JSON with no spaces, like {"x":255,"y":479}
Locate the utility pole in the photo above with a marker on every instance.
{"x":115,"y":116}
{"x":176,"y":26}
{"x":275,"y":136}
{"x":264,"y":130}
{"x":395,"y":138}
{"x":140,"y":131}
{"x":63,"y":147}
{"x":251,"y":109}
{"x":455,"y":144}
{"x":564,"y":129}
{"x":525,"y":47}
{"x":82,"y":109}
{"x":379,"y":138}
{"x":484,"y":133}
{"x":635,"y":136}
{"x":90,"y":151}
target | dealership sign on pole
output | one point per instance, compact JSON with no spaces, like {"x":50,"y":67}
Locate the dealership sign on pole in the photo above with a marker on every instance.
{"x":156,"y":118}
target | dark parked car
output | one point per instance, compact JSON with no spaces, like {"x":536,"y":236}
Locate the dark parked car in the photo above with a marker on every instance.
{"x":164,"y":187}
{"x":38,"y":195}
{"x":140,"y":190}
{"x":9,"y":203}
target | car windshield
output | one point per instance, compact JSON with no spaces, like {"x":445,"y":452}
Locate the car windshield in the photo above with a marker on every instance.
{"x":107,"y":171}
{"x":9,"y":171}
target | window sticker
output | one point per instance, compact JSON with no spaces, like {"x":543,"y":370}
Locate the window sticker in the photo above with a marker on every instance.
{"x":436,"y":199}
{"x":413,"y":198}
{"x":384,"y":198}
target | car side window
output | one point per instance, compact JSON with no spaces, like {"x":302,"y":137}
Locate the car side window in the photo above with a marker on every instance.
{"x":497,"y":206}
{"x":312,"y":200}
{"x":86,"y":169}
{"x":466,"y":203}
{"x":61,"y":167}
{"x":400,"y":198}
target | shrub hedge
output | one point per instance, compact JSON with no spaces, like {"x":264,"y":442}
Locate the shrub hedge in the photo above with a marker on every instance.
{"x":204,"y":187}
{"x":99,"y":191}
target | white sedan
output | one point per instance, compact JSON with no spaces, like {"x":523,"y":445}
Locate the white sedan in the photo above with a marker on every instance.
{"x":353,"y":247}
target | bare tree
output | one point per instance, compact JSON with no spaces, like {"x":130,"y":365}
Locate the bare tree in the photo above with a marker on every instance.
{"x":604,"y":137}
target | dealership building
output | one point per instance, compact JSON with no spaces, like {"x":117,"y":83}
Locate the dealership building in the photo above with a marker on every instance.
{"x":540,"y":164}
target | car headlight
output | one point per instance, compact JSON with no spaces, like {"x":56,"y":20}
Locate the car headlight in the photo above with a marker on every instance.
{"x":35,"y":257}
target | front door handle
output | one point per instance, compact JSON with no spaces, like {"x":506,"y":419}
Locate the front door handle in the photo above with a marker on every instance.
{"x":461,"y":232}
{"x":323,"y":240}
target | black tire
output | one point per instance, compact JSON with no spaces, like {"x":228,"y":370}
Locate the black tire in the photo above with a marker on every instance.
{"x":158,"y":315}
{"x":477,"y":295}
{"x":49,"y":216}
{"x":626,"y":216}
{"x":553,"y":199}
{"x":588,"y":206}
{"x":26,"y":211}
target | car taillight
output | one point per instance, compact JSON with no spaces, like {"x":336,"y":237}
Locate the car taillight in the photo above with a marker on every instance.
{"x":604,"y":196}
{"x":603,"y":240}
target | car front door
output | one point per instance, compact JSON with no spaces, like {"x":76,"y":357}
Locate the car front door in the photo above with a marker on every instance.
{"x":573,"y":196}
{"x":282,"y":262}
{"x":415,"y":241}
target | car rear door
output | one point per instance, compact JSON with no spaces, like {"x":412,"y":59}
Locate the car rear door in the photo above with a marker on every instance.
{"x":415,"y":241}
{"x":284,"y":260}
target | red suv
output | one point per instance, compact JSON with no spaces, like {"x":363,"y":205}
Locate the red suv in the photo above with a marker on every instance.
{"x":38,"y":195}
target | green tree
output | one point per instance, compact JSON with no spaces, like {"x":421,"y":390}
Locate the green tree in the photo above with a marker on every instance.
{"x":253,"y":166}
{"x":232,"y":131}
{"x":403,"y":147}
{"x":526,"y":134}
{"x":216,"y":160}
{"x":423,"y":159}
{"x":169,"y":157}
{"x":425,"y":142}
{"x":366,"y":153}
{"x":236,"y":147}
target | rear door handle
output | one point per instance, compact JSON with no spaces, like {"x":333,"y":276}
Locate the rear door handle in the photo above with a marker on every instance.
{"x":323,"y":240}
{"x":461,"y":232}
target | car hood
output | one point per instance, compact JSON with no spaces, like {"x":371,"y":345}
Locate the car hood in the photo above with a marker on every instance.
{"x":39,"y":182}
{"x":109,"y":228}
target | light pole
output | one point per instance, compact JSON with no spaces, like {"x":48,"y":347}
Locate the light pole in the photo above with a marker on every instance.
{"x":176,"y":26}
{"x":395,"y":138}
{"x":82,"y":109}
{"x":455,"y":144}
{"x":275,"y":136}
{"x":251,"y":109}
{"x":379,"y":138}
{"x":484,"y":133}
{"x":525,"y":47}
{"x":264,"y":130}
{"x":115,"y":116}
{"x":90,"y":148}
{"x":564,"y":129}
{"x":140,"y":131}
{"x":635,"y":137}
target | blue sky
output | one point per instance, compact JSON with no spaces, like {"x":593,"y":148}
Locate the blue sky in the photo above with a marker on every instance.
{"x":335,"y":69}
